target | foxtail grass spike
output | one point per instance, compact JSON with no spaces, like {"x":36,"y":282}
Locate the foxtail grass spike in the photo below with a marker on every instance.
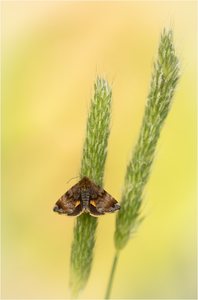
{"x":164,"y":79}
{"x":163,"y":83}
{"x":92,"y":166}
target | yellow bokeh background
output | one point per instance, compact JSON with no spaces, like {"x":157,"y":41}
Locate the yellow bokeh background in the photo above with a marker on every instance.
{"x":52,"y":53}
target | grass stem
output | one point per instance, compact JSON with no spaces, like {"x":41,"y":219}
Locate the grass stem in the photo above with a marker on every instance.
{"x":162,"y":88}
{"x":111,"y":277}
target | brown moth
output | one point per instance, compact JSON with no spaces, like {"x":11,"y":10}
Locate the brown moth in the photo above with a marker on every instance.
{"x":86,"y":196}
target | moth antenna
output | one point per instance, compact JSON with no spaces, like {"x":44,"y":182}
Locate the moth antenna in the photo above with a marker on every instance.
{"x":72,"y":179}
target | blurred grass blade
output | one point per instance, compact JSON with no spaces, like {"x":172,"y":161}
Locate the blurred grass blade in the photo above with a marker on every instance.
{"x":92,"y":166}
{"x":164,"y":79}
{"x":163,"y":83}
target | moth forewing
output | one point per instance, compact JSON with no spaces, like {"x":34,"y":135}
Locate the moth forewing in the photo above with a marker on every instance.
{"x":86,"y":196}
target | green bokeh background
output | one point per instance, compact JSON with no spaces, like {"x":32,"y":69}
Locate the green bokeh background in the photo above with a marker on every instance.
{"x":52,"y":52}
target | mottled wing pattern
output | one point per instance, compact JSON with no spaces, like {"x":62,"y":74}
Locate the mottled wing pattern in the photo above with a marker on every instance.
{"x":69,"y":203}
{"x":101,"y":202}
{"x":74,"y":201}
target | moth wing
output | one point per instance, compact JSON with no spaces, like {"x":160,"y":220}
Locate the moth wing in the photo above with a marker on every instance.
{"x":69,"y":203}
{"x":103,"y":203}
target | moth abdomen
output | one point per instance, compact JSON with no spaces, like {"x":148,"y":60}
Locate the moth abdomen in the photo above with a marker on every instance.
{"x":85,"y":196}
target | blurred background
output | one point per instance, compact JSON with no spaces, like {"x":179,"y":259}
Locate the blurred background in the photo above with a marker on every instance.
{"x":52,"y":53}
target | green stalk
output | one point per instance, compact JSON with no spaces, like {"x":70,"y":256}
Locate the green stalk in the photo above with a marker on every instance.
{"x":164,"y":80}
{"x":92,"y":166}
{"x":111,"y":277}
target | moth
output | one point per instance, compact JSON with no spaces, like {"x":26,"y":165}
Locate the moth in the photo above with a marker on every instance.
{"x":86,"y":197}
